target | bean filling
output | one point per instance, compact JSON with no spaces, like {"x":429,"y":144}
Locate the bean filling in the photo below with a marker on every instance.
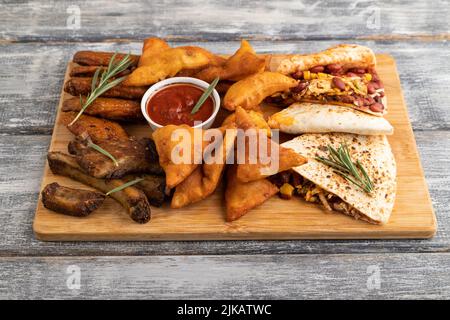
{"x":371,"y":101}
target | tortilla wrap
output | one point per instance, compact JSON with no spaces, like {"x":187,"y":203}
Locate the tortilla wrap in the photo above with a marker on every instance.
{"x":349,"y":55}
{"x":375,"y":155}
{"x":322,"y":118}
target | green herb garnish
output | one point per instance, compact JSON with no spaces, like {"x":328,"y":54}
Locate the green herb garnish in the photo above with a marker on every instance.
{"x":341,"y":161}
{"x":104,"y":152}
{"x":125,"y":185}
{"x":205,"y":95}
{"x":104,"y":84}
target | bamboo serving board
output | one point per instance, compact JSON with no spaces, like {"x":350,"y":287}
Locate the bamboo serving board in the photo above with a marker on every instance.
{"x":412,"y":217}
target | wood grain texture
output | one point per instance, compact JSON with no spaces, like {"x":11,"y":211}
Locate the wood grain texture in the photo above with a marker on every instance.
{"x":401,"y":276}
{"x":223,"y":20}
{"x":412,"y":216}
{"x":31,"y":85}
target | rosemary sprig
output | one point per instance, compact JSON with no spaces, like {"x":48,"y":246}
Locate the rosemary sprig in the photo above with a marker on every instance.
{"x":103,"y":151}
{"x":125,"y":185}
{"x":104,"y":84}
{"x":354,"y":172}
{"x":205,"y":95}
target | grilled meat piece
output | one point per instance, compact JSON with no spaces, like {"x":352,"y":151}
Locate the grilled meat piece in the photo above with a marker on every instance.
{"x":131,"y":198}
{"x":82,"y":86}
{"x":108,"y":108}
{"x":89,"y":71}
{"x":133,"y":156}
{"x":98,"y":129}
{"x":70,"y":201}
{"x":153,"y":186}
{"x":98,"y":58}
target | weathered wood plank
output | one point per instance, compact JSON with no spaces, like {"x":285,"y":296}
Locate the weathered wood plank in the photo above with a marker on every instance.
{"x":33,"y":76}
{"x":367,"y":276}
{"x":21,"y":165}
{"x":220,"y":20}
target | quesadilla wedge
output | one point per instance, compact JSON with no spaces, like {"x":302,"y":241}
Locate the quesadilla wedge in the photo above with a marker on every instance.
{"x":320,"y":183}
{"x":317,"y":118}
{"x":342,"y":75}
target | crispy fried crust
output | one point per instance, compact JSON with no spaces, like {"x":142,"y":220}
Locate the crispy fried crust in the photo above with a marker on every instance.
{"x":108,"y":108}
{"x":70,"y":201}
{"x":97,"y":58}
{"x":82,"y":86}
{"x":241,"y":197}
{"x":98,"y":129}
{"x":131,"y":198}
{"x":281,"y":158}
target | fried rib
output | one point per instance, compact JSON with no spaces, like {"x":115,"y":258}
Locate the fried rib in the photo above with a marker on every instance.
{"x":131,"y":198}
{"x":133,"y":156}
{"x":98,"y":129}
{"x":97,"y":58}
{"x":108,"y":108}
{"x":82,"y":86}
{"x":70,"y":201}
{"x":153,"y":186}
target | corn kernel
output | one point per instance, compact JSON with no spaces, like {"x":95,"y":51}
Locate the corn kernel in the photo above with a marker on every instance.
{"x":306,"y":75}
{"x":368,"y":76}
{"x":313,"y":75}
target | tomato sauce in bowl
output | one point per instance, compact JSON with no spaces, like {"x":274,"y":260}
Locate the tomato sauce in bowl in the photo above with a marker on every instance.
{"x":173,"y":105}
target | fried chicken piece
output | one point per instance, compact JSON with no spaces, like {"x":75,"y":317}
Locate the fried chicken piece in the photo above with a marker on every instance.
{"x":98,"y":129}
{"x":89,"y":71}
{"x":70,"y":201}
{"x":131,"y":198}
{"x":108,"y":108}
{"x":98,"y":58}
{"x":82,"y":86}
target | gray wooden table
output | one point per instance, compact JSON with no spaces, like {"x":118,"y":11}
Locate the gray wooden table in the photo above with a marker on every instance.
{"x":37,"y":38}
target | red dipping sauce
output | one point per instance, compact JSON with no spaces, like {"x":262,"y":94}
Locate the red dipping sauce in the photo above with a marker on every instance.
{"x":173,"y":105}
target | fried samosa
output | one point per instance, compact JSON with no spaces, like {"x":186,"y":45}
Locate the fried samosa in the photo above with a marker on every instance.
{"x":205,"y":178}
{"x":251,"y":91}
{"x":180,"y":150}
{"x":241,"y":197}
{"x":257,"y":166}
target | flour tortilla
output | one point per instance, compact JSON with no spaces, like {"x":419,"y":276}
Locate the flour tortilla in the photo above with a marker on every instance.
{"x":376,"y":157}
{"x":348,"y":55}
{"x":323,"y":118}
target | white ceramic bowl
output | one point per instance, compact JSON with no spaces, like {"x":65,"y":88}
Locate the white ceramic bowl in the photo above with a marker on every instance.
{"x":177,"y":80}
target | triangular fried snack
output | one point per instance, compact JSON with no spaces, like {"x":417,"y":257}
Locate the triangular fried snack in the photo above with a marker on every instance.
{"x":241,"y":197}
{"x":176,"y":170}
{"x":278,"y":158}
{"x":204,"y":180}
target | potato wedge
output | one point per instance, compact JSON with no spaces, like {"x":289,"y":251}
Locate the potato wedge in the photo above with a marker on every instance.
{"x":251,"y":91}
{"x":167,"y":64}
{"x":152,"y":47}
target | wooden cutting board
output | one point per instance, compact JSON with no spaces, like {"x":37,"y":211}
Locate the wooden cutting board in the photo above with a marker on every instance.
{"x":412,"y":217}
